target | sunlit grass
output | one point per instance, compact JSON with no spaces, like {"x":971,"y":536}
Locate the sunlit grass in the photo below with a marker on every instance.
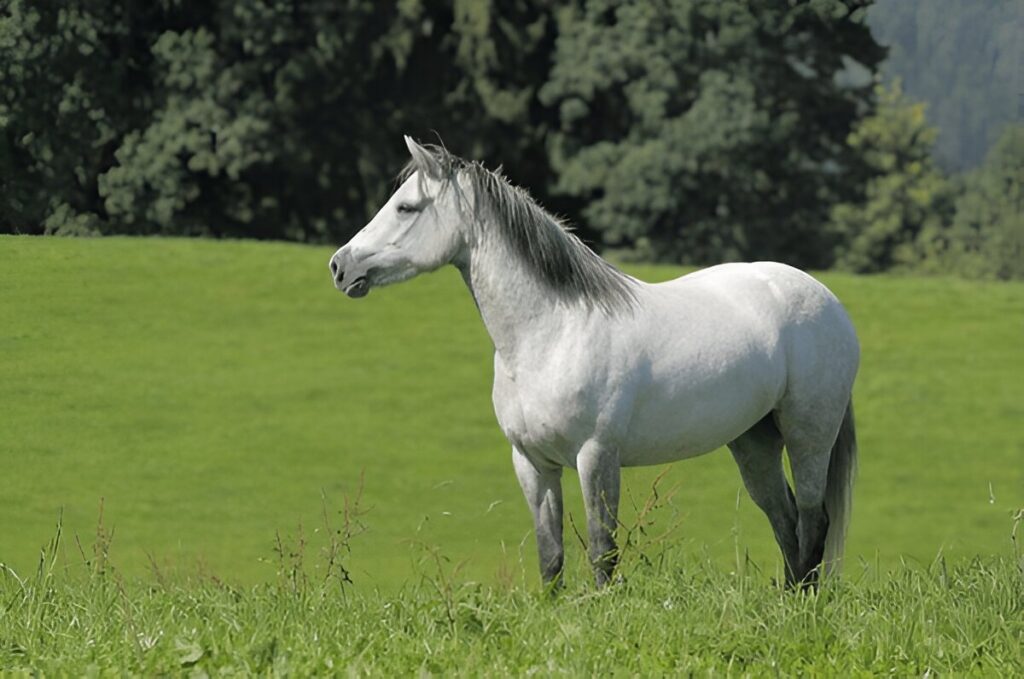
{"x":211,"y":394}
{"x":673,"y":613}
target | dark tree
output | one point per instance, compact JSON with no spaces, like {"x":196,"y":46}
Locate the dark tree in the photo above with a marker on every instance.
{"x":702,"y":131}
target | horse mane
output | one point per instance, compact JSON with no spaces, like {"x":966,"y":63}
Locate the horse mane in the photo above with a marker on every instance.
{"x":542,"y":242}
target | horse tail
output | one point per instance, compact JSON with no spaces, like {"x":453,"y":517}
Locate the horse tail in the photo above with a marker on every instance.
{"x":842,"y":468}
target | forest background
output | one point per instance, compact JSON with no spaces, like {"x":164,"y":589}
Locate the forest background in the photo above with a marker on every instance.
{"x":682,"y":131}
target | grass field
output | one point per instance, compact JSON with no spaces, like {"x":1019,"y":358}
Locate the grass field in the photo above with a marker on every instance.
{"x":677,"y":616}
{"x":215,"y":394}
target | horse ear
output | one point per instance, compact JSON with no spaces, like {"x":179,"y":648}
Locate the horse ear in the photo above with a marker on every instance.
{"x":423,"y":159}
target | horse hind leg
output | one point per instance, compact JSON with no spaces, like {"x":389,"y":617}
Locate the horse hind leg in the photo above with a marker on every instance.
{"x":810,"y":434}
{"x":758,"y":454}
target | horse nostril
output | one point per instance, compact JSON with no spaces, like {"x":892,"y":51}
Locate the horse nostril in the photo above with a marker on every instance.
{"x":334,"y":268}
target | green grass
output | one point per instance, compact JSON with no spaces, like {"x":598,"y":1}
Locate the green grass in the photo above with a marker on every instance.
{"x":675,"y":614}
{"x":212,"y":394}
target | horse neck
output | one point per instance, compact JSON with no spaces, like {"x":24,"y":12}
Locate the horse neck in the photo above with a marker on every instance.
{"x":518,"y":310}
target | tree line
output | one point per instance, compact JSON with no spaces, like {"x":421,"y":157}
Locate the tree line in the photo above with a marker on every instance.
{"x":676,"y":130}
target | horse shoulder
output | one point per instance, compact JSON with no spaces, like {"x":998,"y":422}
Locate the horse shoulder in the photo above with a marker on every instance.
{"x":552,"y":400}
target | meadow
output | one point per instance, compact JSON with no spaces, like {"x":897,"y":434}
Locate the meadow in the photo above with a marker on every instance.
{"x":674,"y":615}
{"x":200,"y":414}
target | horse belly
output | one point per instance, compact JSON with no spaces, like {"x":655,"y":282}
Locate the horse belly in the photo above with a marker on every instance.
{"x":675,"y":422}
{"x":684,"y":440}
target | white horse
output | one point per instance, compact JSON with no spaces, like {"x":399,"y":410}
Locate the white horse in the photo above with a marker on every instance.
{"x":596,"y":370}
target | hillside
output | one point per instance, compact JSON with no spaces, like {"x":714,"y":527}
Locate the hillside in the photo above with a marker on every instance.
{"x":209,"y":393}
{"x":964,"y":58}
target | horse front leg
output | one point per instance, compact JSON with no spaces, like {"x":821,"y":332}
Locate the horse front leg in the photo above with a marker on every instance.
{"x":598,"y":468}
{"x":542,"y":488}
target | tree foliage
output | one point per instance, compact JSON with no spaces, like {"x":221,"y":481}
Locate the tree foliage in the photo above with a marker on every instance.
{"x":257,"y":118}
{"x":72,"y":81}
{"x":703,"y":131}
{"x":986,"y":238}
{"x":262,"y":119}
{"x":913,"y":217}
{"x":684,"y":130}
{"x":907,"y":200}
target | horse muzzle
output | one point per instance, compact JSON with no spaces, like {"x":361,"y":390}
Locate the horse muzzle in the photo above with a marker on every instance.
{"x":349,"y":276}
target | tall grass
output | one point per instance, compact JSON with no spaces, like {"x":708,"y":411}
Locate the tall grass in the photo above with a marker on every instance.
{"x":670,"y":613}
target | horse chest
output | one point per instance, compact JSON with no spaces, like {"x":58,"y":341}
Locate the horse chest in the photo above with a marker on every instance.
{"x":544,"y":414}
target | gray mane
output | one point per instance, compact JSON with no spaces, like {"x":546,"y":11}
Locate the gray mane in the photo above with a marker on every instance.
{"x":542,"y":242}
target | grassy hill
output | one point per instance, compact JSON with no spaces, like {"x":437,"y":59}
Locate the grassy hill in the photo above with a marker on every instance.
{"x":213,"y":395}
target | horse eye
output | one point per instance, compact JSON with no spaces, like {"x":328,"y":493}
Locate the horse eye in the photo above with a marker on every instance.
{"x":406,"y":208}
